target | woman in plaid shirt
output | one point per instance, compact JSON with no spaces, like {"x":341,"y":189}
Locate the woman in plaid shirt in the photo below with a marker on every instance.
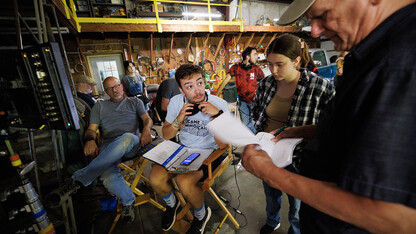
{"x":291,"y":96}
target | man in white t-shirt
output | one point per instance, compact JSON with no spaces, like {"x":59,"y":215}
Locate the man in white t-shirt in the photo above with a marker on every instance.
{"x":188,"y":113}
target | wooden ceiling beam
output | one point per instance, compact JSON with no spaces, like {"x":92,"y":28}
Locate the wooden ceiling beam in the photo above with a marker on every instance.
{"x":91,"y":27}
{"x":261,"y":40}
{"x":171,"y":46}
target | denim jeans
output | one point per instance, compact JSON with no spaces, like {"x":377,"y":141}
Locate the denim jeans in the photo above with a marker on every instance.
{"x":273,"y":204}
{"x":105,"y":166}
{"x":245,"y":115}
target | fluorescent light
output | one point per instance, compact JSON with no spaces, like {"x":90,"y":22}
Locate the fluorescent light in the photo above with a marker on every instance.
{"x":197,"y":14}
{"x":275,"y":19}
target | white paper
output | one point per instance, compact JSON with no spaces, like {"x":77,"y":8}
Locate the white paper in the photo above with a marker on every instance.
{"x":232,"y":131}
{"x":280,"y":152}
{"x":161,"y":152}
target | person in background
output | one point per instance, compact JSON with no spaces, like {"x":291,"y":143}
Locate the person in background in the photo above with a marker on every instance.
{"x":167,"y":89}
{"x":291,"y":96}
{"x":340,"y":68}
{"x":118,"y":120}
{"x":307,"y":61}
{"x":133,"y":83}
{"x":246,"y":74}
{"x":84,"y":85}
{"x":193,"y":133}
{"x":358,"y":171}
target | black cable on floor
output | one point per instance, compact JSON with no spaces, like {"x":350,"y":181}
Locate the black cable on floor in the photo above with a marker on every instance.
{"x":141,"y":220}
{"x":237,"y":211}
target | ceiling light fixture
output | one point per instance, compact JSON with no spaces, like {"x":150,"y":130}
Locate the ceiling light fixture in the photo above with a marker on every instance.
{"x":197,"y":14}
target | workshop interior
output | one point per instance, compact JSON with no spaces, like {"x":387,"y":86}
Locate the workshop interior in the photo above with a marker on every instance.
{"x":47,"y":45}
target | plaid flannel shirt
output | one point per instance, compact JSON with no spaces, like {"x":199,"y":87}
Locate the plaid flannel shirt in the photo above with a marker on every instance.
{"x":310,"y":98}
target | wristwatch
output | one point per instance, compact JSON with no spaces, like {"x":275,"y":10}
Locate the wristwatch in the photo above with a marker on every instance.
{"x":86,"y":139}
{"x":216,"y":115}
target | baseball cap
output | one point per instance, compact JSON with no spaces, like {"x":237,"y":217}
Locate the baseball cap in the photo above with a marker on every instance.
{"x":296,"y":9}
{"x":86,"y":79}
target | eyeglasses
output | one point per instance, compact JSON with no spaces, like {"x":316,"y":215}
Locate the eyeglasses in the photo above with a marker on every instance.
{"x":112,"y":88}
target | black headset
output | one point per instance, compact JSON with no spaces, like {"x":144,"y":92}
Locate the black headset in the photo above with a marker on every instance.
{"x":195,"y":108}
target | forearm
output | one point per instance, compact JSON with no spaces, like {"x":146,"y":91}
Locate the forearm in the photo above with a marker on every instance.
{"x":90,"y":134}
{"x":148,"y":123}
{"x":305,"y":132}
{"x":164,"y":104}
{"x":168,"y":131}
{"x":372,"y":215}
{"x":220,"y":144}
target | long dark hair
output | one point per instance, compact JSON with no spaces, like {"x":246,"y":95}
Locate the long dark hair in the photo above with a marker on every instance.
{"x":287,"y":45}
{"x":127,"y":63}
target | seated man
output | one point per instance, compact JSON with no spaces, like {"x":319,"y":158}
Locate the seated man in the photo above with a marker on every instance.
{"x":84,"y":86}
{"x":118,"y":122}
{"x":167,"y":89}
{"x":193,"y":133}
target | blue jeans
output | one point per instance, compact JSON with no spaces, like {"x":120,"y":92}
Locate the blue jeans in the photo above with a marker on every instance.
{"x":105,"y":166}
{"x":245,"y":115}
{"x":273,"y":204}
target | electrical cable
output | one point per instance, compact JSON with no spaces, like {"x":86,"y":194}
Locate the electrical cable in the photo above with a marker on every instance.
{"x":237,"y":211}
{"x":141,"y":220}
{"x":161,"y":70}
{"x":228,"y":201}
{"x":230,"y":41}
{"x":210,"y":62}
{"x":213,"y":49}
{"x":223,"y":74}
{"x":79,"y":70}
{"x":222,"y":54}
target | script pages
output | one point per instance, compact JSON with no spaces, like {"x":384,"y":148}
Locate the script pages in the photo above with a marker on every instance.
{"x":232,"y":131}
{"x":280,"y":152}
{"x":170,"y":155}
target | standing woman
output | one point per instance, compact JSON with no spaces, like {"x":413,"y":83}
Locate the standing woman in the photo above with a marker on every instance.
{"x":307,"y":61}
{"x":291,"y":96}
{"x":134,"y":84}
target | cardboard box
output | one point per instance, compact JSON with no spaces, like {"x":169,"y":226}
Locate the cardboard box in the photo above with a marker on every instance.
{"x":159,"y":7}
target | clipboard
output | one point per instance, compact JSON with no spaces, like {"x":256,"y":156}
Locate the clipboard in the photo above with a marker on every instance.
{"x":170,"y":155}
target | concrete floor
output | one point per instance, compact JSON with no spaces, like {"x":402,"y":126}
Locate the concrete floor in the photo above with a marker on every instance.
{"x":249,"y":194}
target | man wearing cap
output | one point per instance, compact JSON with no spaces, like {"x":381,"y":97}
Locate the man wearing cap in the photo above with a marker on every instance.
{"x":84,"y":86}
{"x":358,"y":172}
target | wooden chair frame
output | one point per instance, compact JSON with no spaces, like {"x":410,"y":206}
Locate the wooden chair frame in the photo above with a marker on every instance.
{"x":181,"y":226}
{"x":141,"y":197}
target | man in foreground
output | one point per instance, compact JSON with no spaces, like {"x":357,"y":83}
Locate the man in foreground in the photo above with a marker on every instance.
{"x":188,"y":113}
{"x":358,"y":171}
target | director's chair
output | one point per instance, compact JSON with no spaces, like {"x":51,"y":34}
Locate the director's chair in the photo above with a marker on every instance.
{"x":181,"y":225}
{"x":134,"y":175}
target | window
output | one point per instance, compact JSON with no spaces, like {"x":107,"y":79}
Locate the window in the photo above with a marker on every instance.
{"x":103,"y":66}
{"x":319,"y":58}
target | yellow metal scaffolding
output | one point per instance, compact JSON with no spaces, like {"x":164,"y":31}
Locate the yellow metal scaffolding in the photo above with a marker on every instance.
{"x":71,"y":13}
